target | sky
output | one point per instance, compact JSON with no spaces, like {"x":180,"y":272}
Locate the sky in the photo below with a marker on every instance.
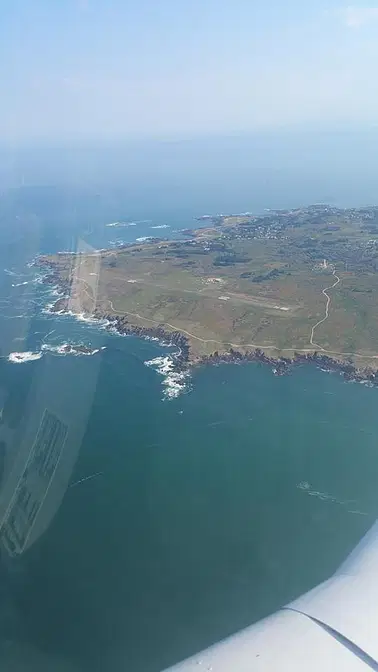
{"x":110,"y":69}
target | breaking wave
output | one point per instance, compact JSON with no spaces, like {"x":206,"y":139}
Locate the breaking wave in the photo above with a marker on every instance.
{"x":70,"y":349}
{"x":22,"y":357}
{"x":121,"y":224}
{"x":174,"y":382}
{"x":58,"y":350}
{"x":40,"y":277}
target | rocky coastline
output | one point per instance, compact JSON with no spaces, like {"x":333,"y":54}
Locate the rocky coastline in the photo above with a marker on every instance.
{"x":283,"y":365}
{"x":184,"y":360}
{"x":280,"y":365}
{"x":53,"y":277}
{"x":171,"y":338}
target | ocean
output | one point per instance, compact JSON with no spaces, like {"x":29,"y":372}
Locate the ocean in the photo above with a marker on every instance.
{"x":181,"y":510}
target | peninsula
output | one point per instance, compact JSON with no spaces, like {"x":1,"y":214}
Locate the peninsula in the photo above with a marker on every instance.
{"x":286,"y":285}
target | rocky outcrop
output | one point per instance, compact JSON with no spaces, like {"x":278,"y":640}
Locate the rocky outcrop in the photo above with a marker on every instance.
{"x":280,"y":365}
{"x":123,"y":326}
{"x":283,"y":365}
{"x":345,"y":368}
{"x":53,"y":276}
{"x":61,"y":305}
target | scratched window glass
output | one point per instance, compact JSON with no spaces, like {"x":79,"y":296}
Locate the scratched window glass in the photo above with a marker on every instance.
{"x":188,"y":336}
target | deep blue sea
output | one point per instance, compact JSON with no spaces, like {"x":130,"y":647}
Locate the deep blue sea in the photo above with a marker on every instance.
{"x":176,"y":520}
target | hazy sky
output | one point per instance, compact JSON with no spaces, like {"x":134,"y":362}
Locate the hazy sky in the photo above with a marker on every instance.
{"x":121,"y":68}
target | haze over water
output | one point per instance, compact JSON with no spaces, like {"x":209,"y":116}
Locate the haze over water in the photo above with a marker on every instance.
{"x":206,"y":511}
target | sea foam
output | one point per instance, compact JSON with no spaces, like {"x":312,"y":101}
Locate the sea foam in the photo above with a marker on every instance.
{"x":175,"y":382}
{"x":22,"y":357}
{"x":57,"y":350}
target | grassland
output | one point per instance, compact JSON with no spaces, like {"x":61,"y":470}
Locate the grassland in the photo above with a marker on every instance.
{"x":244,"y":282}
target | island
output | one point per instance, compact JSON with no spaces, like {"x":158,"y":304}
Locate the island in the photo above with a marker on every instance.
{"x":283,"y":286}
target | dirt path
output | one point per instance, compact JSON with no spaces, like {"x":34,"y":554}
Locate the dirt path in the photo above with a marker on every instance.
{"x":240,"y":345}
{"x":324,"y":291}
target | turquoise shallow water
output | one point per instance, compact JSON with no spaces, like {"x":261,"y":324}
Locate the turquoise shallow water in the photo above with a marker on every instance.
{"x":205,"y":512}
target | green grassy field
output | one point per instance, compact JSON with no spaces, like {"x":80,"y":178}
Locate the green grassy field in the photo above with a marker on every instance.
{"x":229,"y":288}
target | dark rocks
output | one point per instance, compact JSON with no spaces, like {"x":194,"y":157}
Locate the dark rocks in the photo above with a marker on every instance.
{"x":280,"y":365}
{"x":283,"y":365}
{"x":347,"y":369}
{"x":60,"y":305}
{"x":77,"y":349}
{"x":54,"y":276}
{"x":122,"y":325}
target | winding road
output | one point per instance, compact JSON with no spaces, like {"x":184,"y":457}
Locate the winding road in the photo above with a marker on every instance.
{"x":324,"y":291}
{"x":262,"y":346}
{"x":257,"y":345}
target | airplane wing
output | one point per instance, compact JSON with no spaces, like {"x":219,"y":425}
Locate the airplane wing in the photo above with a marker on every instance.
{"x":333,"y":627}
